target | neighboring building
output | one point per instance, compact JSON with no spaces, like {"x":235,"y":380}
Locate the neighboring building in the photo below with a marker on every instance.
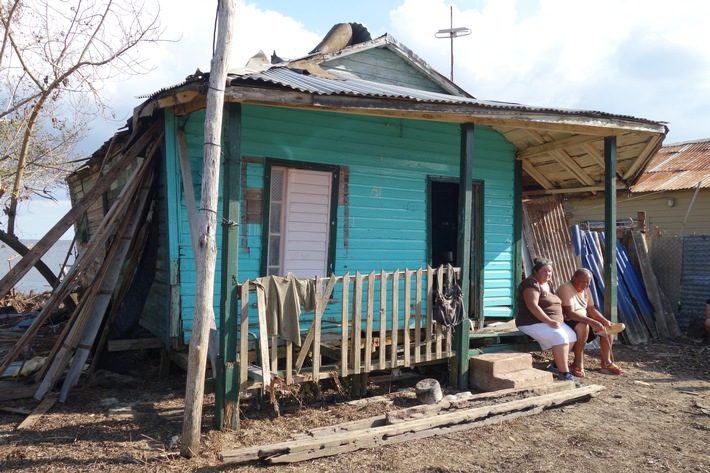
{"x":673,"y":191}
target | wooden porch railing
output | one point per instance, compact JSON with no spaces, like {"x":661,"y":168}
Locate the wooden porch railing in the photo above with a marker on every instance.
{"x":375,"y":322}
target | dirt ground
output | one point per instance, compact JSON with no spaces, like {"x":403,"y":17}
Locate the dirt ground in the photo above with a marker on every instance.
{"x":654,"y":418}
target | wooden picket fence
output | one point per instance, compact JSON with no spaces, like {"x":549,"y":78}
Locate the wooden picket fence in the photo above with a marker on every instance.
{"x":384,"y":321}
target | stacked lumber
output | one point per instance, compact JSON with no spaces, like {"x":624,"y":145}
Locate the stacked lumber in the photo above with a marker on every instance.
{"x":114,"y":247}
{"x":462,"y":413}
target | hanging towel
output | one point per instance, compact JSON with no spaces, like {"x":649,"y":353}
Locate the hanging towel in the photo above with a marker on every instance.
{"x":284,"y":298}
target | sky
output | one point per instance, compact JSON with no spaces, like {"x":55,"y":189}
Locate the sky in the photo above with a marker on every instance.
{"x":644,"y":58}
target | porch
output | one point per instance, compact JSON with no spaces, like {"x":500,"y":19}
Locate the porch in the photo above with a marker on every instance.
{"x":361,"y":323}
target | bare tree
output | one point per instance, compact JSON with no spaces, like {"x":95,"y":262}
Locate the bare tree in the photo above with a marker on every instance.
{"x":54,"y":58}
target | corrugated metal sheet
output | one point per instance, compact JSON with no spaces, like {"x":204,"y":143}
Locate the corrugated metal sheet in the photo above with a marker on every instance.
{"x":677,"y":166}
{"x":547,"y":236}
{"x":694,"y":282}
{"x":293,"y":79}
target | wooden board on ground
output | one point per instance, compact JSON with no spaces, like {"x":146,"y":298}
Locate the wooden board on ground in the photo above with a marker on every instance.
{"x":41,"y":409}
{"x":349,"y":440}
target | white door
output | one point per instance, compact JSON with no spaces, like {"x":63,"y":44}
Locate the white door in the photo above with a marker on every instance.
{"x":305,"y":222}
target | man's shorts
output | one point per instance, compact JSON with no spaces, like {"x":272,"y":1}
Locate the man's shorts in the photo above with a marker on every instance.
{"x":573,"y":324}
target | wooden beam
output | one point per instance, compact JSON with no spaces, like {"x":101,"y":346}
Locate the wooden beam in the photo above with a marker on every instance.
{"x":568,"y":163}
{"x":596,"y":125}
{"x":227,"y":370}
{"x":610,"y":282}
{"x":537,"y":175}
{"x":556,"y":145}
{"x":134,"y":344}
{"x":595,"y":155}
{"x":378,"y":435}
{"x":645,"y":156}
{"x":37,"y":414}
{"x":571,"y":190}
{"x":463,"y":250}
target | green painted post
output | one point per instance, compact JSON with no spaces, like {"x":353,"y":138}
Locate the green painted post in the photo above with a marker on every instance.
{"x":610,"y":283}
{"x":227,"y":382}
{"x":517,"y":230}
{"x":463,"y":251}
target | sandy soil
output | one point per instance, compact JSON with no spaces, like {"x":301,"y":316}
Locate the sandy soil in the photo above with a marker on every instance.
{"x":655,"y":418}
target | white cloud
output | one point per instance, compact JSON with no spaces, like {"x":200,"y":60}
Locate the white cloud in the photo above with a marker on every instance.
{"x":644,"y":58}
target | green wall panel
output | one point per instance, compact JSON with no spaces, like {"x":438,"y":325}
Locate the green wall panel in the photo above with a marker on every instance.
{"x":389,"y":161}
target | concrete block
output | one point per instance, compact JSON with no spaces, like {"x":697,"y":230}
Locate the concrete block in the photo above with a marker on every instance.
{"x":514,"y":379}
{"x":498,"y":363}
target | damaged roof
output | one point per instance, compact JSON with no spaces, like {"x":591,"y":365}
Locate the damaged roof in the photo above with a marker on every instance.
{"x":561,"y":150}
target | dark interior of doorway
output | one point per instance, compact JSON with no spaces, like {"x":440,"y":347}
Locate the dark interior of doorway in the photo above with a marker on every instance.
{"x":444,"y":222}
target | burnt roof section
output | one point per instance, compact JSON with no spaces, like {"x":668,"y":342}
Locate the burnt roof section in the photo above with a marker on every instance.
{"x":677,"y":166}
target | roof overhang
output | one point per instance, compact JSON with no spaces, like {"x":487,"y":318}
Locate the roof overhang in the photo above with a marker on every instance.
{"x":561,"y":150}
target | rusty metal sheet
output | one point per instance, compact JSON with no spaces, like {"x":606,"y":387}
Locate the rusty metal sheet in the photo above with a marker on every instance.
{"x":547,"y":235}
{"x":677,"y":166}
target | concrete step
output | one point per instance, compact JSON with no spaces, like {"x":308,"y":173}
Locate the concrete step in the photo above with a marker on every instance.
{"x":505,"y":370}
{"x":497,"y":363}
{"x":514,"y":379}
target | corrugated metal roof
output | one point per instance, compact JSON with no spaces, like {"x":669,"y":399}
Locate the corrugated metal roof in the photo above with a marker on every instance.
{"x":319,"y":85}
{"x":677,"y":166}
{"x":312,"y":84}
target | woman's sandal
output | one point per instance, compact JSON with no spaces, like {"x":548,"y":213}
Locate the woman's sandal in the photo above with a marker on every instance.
{"x":612,"y":368}
{"x":577,"y":372}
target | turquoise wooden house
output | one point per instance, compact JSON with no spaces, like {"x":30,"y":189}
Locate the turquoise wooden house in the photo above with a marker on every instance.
{"x":361,"y":169}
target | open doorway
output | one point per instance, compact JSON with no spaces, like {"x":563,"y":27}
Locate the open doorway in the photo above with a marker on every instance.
{"x":443,"y":231}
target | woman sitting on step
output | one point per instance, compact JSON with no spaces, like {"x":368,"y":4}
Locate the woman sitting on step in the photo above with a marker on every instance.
{"x":540,"y":317}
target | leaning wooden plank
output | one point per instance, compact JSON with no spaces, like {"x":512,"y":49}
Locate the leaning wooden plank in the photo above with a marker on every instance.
{"x":20,"y":248}
{"x":64,"y":346}
{"x":102,"y":185}
{"x":70,"y":281}
{"x":130,"y":269}
{"x":320,"y":308}
{"x":397,"y":433}
{"x":115,"y":258}
{"x":41,"y":409}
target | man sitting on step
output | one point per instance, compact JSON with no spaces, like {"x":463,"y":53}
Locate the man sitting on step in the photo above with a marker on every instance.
{"x":581,"y":314}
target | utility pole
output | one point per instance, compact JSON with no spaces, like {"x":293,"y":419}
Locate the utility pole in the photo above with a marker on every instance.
{"x":452,"y":33}
{"x":206,"y":257}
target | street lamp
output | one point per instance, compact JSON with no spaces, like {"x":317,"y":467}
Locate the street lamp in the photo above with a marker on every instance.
{"x":452,"y":33}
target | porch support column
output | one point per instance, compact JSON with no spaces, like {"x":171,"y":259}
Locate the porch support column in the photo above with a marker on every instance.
{"x":610,"y":283}
{"x":463,"y":250}
{"x":227,"y":382}
{"x":517,"y":230}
